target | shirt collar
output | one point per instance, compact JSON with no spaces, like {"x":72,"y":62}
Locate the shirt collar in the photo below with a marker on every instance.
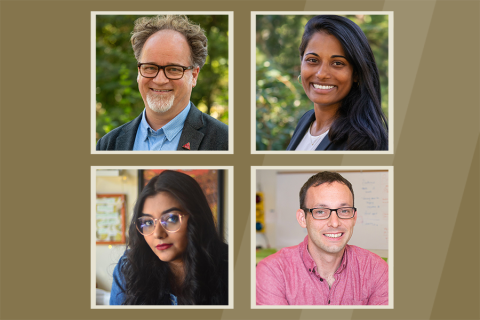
{"x":310,"y":263}
{"x":171,"y":129}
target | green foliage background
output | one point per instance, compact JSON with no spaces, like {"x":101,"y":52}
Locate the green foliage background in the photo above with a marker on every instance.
{"x":117,"y":97}
{"x":280,"y":98}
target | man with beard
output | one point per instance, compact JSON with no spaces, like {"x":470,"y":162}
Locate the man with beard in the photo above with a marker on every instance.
{"x":170,"y":51}
{"x":324,"y":269}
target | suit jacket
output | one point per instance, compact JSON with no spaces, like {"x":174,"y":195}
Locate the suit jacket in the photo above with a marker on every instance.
{"x":302,"y":128}
{"x":200,"y":130}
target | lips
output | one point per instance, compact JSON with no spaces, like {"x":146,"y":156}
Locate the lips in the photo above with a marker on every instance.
{"x":161,"y":90}
{"x":333,"y":235}
{"x":164,"y":246}
{"x":323,"y":87}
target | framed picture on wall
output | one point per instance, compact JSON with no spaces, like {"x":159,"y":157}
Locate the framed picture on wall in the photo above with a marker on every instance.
{"x":110,"y":219}
{"x":211,"y":182}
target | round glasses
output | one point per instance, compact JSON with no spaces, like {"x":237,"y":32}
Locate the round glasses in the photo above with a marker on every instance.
{"x":324,"y":213}
{"x":172,"y":72}
{"x":171,"y":222}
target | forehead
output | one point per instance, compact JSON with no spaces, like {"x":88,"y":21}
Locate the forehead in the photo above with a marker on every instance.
{"x":165,"y":47}
{"x":160,"y":202}
{"x":331,"y":195}
{"x":323,"y":42}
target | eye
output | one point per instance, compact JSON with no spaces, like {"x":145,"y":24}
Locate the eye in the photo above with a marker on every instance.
{"x":171,"y":218}
{"x":311,"y":60}
{"x":338,"y":63}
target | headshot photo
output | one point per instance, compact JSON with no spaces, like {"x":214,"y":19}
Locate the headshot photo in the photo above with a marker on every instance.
{"x":322,"y":82}
{"x":161,"y":237}
{"x":324,"y":238}
{"x":161,"y":82}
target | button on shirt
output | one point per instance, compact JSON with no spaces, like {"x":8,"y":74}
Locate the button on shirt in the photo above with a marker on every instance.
{"x":290,"y":277}
{"x":166,"y":138}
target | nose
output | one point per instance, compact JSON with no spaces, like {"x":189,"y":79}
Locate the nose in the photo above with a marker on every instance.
{"x":161,"y":78}
{"x":334,"y":221}
{"x":323,"y":71}
{"x":159,"y":231}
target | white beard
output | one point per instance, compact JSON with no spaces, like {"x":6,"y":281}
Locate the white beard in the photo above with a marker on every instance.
{"x":160,"y":103}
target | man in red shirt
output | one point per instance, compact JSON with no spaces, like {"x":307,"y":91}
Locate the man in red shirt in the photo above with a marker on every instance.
{"x":324,"y":269}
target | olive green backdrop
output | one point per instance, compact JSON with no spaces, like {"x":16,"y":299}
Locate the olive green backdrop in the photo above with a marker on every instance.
{"x":45,"y":159}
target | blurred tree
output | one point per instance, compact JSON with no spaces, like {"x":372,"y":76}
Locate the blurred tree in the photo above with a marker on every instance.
{"x":280,"y":98}
{"x":117,"y":97}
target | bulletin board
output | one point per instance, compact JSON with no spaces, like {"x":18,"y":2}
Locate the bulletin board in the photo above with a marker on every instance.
{"x":371,"y":190}
{"x":110,"y":219}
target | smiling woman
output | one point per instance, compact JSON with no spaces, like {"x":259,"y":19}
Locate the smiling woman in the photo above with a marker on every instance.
{"x":174,"y":254}
{"x":340,"y":76}
{"x":343,"y":107}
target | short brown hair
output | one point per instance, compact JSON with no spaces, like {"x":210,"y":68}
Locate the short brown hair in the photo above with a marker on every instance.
{"x":321,"y":178}
{"x":193,"y":33}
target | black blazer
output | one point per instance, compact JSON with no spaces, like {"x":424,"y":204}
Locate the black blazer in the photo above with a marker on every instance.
{"x":302,"y":128}
{"x":200,"y":130}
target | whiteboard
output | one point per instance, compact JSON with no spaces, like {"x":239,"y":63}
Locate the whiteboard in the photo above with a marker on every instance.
{"x":371,"y":200}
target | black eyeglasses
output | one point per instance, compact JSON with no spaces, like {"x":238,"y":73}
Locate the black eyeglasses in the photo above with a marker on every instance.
{"x":172,"y":72}
{"x":324,"y":213}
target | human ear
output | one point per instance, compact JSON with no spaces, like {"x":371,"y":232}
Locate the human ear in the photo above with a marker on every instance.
{"x":301,"y":218}
{"x":195,"y":73}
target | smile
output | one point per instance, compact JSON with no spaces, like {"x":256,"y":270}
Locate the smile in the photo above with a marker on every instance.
{"x":333,"y":235}
{"x":319,"y":86}
{"x":158,"y":90}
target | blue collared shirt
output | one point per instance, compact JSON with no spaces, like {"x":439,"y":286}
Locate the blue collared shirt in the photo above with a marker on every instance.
{"x":165,"y":138}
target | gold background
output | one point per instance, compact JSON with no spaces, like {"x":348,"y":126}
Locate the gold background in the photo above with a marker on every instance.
{"x":45,"y":159}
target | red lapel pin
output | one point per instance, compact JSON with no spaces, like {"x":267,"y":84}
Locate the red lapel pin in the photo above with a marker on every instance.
{"x":186,"y":146}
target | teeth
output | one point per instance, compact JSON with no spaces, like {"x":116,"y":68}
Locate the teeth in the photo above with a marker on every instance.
{"x":317,"y":86}
{"x":160,"y":90}
{"x":333,"y":235}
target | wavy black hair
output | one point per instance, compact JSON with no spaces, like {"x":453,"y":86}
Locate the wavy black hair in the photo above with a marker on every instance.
{"x":147,"y":278}
{"x":360,"y":123}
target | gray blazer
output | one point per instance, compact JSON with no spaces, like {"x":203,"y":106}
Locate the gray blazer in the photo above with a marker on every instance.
{"x":302,"y":128}
{"x":200,"y":130}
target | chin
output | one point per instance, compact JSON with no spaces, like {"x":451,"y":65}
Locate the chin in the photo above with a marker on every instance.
{"x":160,"y":104}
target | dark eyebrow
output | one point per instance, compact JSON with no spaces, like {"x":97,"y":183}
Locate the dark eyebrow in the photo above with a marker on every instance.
{"x":164,"y":212}
{"x":333,"y":56}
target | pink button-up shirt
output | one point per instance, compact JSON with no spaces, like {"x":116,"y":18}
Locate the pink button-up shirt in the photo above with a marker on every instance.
{"x":290,"y":276}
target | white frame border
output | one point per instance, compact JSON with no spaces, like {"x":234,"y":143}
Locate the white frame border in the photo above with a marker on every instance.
{"x":93,"y":80}
{"x":229,"y":199}
{"x":253,"y":186}
{"x":253,"y":81}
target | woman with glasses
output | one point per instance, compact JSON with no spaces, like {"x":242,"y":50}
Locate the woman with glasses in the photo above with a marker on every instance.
{"x":174,"y":254}
{"x":340,"y":76}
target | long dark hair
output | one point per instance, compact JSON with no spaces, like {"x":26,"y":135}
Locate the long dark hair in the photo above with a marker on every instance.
{"x":360,"y":123}
{"x":147,"y":278}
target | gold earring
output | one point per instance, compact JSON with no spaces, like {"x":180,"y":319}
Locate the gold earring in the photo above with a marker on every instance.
{"x":299,"y":78}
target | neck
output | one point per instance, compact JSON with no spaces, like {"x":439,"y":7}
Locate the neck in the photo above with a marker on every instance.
{"x":324,"y":118}
{"x":327,"y":263}
{"x":158,"y":120}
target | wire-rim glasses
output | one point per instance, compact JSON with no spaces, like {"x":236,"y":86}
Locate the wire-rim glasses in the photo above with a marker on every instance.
{"x":171,"y":222}
{"x":325,"y":213}
{"x":172,"y":72}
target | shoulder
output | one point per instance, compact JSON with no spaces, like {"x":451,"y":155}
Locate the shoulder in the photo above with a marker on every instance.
{"x":367,"y":259}
{"x":214,"y":132}
{"x":126,"y":132}
{"x":202,"y":120}
{"x":117,"y":294}
{"x":280,"y":262}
